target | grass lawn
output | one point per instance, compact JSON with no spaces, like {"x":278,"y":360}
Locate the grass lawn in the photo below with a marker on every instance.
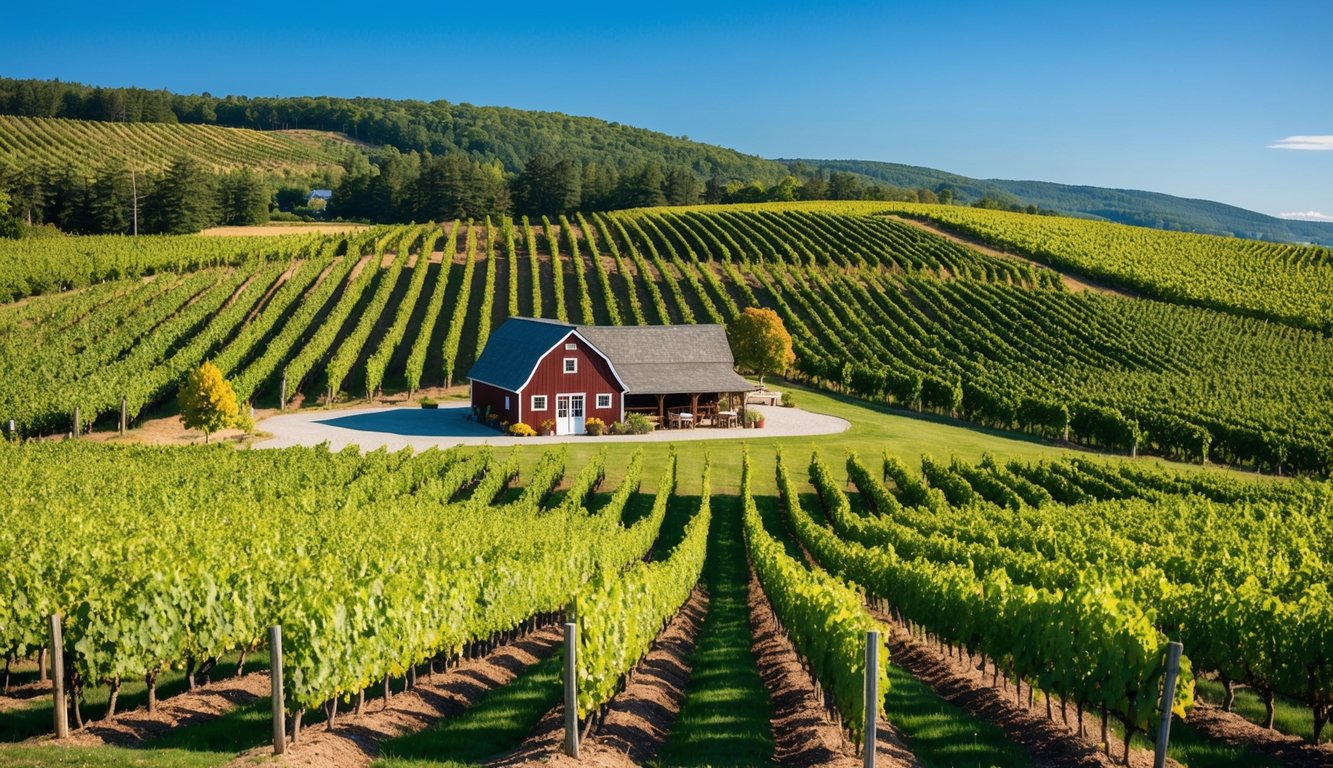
{"x":14,"y":756}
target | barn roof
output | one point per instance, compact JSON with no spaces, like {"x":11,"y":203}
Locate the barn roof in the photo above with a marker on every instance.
{"x":666,"y":359}
{"x":648,"y":359}
{"x":513,"y":350}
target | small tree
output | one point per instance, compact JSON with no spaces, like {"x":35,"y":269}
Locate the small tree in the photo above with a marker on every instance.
{"x":208,"y":402}
{"x":760,"y":342}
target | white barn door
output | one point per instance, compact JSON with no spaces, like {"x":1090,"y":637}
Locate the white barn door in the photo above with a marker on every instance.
{"x":569,"y":414}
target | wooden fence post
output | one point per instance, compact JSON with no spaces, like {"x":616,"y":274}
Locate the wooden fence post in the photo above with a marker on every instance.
{"x":872,"y":699}
{"x":1173,"y":651}
{"x":58,"y":677}
{"x":275,"y":677}
{"x":571,"y":690}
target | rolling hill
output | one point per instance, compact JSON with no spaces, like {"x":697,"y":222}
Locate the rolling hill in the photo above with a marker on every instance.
{"x":1124,"y":206}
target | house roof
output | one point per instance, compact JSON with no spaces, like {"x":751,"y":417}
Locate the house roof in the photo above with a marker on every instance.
{"x":648,"y":359}
{"x":321,"y":194}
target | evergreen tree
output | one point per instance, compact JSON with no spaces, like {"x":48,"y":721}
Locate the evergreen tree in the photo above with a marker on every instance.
{"x":681,"y":186}
{"x":183,"y":201}
{"x":643,"y":188}
{"x":111,"y":200}
{"x":245,"y":199}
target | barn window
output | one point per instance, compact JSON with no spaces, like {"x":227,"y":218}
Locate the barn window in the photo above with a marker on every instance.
{"x":571,"y":365}
{"x":571,"y":345}
{"x":539,"y":402}
{"x":603,"y":401}
{"x":506,"y":402}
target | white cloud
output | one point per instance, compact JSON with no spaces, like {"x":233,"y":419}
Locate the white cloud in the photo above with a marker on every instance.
{"x":1304,"y":142}
{"x":1306,"y":216}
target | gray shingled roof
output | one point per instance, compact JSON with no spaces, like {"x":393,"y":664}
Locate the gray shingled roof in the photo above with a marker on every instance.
{"x":667,"y":359}
{"x":650,"y":359}
{"x":513,"y":349}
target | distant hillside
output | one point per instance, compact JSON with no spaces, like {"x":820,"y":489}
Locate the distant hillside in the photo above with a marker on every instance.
{"x":1125,"y":206}
{"x":87,"y":145}
{"x":510,"y":137}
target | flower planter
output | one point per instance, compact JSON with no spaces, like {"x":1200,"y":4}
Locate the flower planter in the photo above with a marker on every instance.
{"x":430,"y":406}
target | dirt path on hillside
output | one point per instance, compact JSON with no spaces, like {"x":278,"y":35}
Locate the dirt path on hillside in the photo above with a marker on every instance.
{"x":355,"y":739}
{"x":639,"y":718}
{"x":1074,"y":283}
{"x":803,"y":733}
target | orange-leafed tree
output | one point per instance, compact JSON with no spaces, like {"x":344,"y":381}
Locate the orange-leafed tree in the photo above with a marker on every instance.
{"x":208,"y":402}
{"x":760,"y":342}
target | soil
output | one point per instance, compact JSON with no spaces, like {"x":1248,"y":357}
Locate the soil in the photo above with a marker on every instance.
{"x":959,"y":682}
{"x":22,"y":695}
{"x":204,"y":703}
{"x":355,"y":740}
{"x":1231,"y":728}
{"x":640,"y":717}
{"x":804,"y":734}
{"x":1074,"y":283}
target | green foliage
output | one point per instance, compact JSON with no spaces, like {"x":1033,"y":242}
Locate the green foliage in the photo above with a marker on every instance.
{"x":824,"y":615}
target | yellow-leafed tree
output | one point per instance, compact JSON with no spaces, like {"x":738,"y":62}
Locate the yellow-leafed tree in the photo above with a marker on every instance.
{"x":208,"y":402}
{"x":760,"y":342}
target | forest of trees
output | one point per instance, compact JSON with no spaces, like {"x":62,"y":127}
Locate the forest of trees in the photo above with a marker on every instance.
{"x":432,"y":161}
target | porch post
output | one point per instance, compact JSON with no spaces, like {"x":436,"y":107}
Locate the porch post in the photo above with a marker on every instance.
{"x":661,"y":410}
{"x":694,"y":409}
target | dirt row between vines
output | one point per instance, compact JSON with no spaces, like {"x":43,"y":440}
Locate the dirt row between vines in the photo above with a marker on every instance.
{"x":639,"y":718}
{"x":803,"y":733}
{"x":355,"y":739}
{"x":192,"y":707}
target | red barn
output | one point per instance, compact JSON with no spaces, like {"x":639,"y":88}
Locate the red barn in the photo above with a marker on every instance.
{"x":536,"y":370}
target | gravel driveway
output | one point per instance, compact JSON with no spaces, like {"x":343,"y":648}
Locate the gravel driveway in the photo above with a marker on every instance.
{"x":419,"y":428}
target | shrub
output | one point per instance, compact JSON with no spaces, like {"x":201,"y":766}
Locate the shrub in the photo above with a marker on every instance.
{"x":788,"y":401}
{"x":548,"y":426}
{"x":638,"y":424}
{"x":429,"y":402}
{"x":595,"y":426}
{"x":519,"y":429}
{"x":618,"y":428}
{"x":753,"y":418}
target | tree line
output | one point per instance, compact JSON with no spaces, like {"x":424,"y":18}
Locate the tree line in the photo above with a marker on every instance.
{"x":388,"y":187}
{"x":116,"y":199}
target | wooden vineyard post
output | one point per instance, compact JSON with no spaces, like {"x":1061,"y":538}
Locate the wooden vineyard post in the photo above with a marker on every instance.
{"x":58,"y":677}
{"x":282,"y":392}
{"x":124,"y":422}
{"x":1173,"y":651}
{"x":76,"y":424}
{"x":13,"y":430}
{"x":275,"y":677}
{"x":571,"y":690}
{"x":872,"y":699}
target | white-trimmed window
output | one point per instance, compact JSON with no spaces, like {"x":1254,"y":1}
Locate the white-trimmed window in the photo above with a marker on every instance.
{"x":603,"y":401}
{"x":571,"y":365}
{"x":538,"y":402}
{"x":571,"y":346}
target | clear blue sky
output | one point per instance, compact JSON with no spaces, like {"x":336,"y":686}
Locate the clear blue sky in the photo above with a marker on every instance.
{"x":1177,"y":97}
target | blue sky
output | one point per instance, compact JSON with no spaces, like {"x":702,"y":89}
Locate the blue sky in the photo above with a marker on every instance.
{"x":1178,"y":97}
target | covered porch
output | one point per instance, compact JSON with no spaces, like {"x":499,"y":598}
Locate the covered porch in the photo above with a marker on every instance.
{"x":688,"y":410}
